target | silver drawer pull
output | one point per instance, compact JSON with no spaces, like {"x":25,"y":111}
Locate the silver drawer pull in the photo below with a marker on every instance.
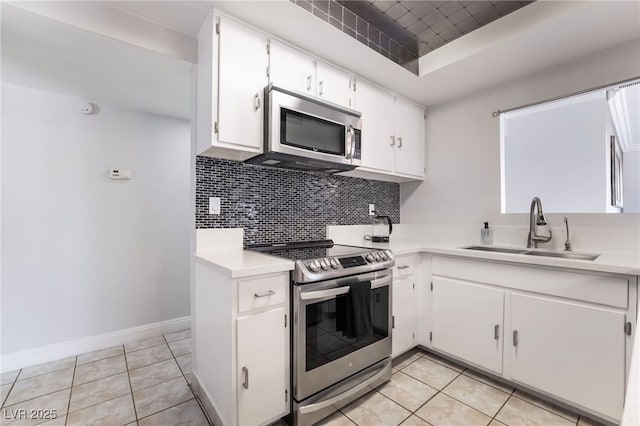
{"x":404,"y":267}
{"x":515,"y":338}
{"x":245,"y":380}
{"x":265,"y":294}
{"x":496,"y":331}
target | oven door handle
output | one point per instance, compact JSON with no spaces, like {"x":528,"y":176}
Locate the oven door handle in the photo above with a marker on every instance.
{"x":344,"y":395}
{"x":320,"y":294}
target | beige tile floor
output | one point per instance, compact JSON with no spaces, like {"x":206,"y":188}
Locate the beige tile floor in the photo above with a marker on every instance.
{"x":146,"y":383}
{"x":141,"y":383}
{"x":428,"y":390}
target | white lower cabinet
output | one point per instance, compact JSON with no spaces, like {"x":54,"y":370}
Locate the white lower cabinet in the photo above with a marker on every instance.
{"x":261,"y":367}
{"x":241,"y":347}
{"x":406,"y":276}
{"x":467,"y":322}
{"x":570,"y":350}
{"x":561,"y":332}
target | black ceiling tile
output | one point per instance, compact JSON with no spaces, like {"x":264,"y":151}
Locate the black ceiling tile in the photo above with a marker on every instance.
{"x":477,"y":6}
{"x":350,"y":19}
{"x":374,"y":35}
{"x":320,"y":14}
{"x":323,"y":5}
{"x":362,"y":27}
{"x":460,"y":16}
{"x":433,"y":17}
{"x":441,"y":25}
{"x":384,"y":41}
{"x":335,"y":10}
{"x":423,"y":9}
{"x":407,"y":19}
{"x":383,"y":5}
{"x":417,"y":27}
{"x":396,"y":11}
{"x":450,"y":33}
{"x":450,"y":8}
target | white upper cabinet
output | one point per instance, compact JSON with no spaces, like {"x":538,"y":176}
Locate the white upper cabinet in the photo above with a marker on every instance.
{"x":377,"y":108}
{"x":410,"y":138}
{"x":231,"y":76}
{"x":393,"y":134}
{"x":291,"y":69}
{"x":334,"y":85}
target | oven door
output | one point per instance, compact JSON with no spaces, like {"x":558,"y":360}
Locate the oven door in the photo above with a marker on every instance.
{"x":306,"y":127}
{"x":322,"y":355}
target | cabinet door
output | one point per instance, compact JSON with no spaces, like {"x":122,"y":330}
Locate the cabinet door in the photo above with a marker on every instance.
{"x":262,"y":362}
{"x":377,"y":108}
{"x":464,"y":321}
{"x":410,"y":138}
{"x":242,"y":62}
{"x":334,"y":85}
{"x":404,"y":316}
{"x":573,"y":351}
{"x":291,"y":69}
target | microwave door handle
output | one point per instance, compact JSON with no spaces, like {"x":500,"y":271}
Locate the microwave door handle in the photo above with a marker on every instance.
{"x":350,"y":142}
{"x":320,"y":294}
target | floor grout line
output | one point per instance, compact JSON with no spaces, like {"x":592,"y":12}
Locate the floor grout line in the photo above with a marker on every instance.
{"x":133,"y":400}
{"x":73,"y":376}
{"x":501,"y":407}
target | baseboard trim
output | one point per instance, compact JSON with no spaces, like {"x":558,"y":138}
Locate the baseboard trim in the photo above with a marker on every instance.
{"x":205,"y":400}
{"x":42,"y":354}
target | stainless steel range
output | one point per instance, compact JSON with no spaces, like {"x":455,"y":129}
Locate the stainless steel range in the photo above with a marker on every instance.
{"x":341,"y":334}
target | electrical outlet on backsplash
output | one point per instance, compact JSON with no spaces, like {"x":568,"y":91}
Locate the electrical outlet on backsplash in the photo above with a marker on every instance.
{"x":273,"y":204}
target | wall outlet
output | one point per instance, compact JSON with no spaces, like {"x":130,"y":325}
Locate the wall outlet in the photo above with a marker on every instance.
{"x":120,"y":174}
{"x":372,"y":210}
{"x":214,"y":205}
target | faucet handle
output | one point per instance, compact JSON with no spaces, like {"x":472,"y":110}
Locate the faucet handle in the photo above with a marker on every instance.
{"x":567,"y":243}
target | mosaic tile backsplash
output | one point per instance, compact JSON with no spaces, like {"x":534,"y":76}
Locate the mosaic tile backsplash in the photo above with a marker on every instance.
{"x":286,"y":205}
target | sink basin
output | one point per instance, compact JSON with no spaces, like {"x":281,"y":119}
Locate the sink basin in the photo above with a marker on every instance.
{"x":564,"y":255}
{"x":496,"y":249}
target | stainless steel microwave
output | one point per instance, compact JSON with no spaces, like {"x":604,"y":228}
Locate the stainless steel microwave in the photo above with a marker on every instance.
{"x":306,"y":133}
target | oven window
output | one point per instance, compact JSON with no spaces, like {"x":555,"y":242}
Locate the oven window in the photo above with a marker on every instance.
{"x":328,"y":341}
{"x":303,"y":131}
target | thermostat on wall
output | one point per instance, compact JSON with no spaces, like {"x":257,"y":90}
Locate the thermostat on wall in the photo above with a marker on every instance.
{"x":120,"y":174}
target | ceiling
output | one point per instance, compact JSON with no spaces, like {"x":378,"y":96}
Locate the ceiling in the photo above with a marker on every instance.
{"x":41,"y":51}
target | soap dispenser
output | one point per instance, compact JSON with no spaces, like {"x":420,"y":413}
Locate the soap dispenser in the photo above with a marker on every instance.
{"x":486,"y":235}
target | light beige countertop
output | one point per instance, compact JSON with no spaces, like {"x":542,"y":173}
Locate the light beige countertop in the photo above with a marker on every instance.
{"x":617,"y":263}
{"x":238,"y":263}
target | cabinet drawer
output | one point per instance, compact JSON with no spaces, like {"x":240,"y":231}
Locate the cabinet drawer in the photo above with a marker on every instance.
{"x":406,"y":265}
{"x":261,"y":292}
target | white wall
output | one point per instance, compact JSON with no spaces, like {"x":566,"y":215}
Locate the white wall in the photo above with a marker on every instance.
{"x":631,"y":181}
{"x":84,"y":255}
{"x":462,"y":185}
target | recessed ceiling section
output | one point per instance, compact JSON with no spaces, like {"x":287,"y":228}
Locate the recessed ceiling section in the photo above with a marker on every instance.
{"x":405,"y":30}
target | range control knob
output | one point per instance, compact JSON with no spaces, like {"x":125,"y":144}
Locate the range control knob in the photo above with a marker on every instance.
{"x":324,"y":263}
{"x":376,"y":256}
{"x":383,"y":256}
{"x":334,"y":263}
{"x":369,"y":257}
{"x":314,"y":266}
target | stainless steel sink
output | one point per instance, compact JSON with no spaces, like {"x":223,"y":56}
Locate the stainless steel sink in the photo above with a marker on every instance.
{"x":496,"y":249}
{"x":564,"y":255}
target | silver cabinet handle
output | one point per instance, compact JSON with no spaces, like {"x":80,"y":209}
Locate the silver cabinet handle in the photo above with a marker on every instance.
{"x":403,"y":267}
{"x":309,"y":77}
{"x":245,"y":379}
{"x":321,"y":87}
{"x":393,"y":141}
{"x":399,"y":142}
{"x":257,"y":101}
{"x":265,"y":294}
{"x":496,"y":331}
{"x":515,"y":337}
{"x":393,"y":321}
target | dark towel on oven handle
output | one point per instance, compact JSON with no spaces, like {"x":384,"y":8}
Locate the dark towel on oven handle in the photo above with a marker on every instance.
{"x":354,"y":311}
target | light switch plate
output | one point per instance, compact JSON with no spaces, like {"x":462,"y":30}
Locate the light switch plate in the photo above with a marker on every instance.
{"x":372,"y":209}
{"x":214,"y":205}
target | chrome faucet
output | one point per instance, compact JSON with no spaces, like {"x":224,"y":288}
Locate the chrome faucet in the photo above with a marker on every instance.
{"x":533,"y":239}
{"x":567,"y":244}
